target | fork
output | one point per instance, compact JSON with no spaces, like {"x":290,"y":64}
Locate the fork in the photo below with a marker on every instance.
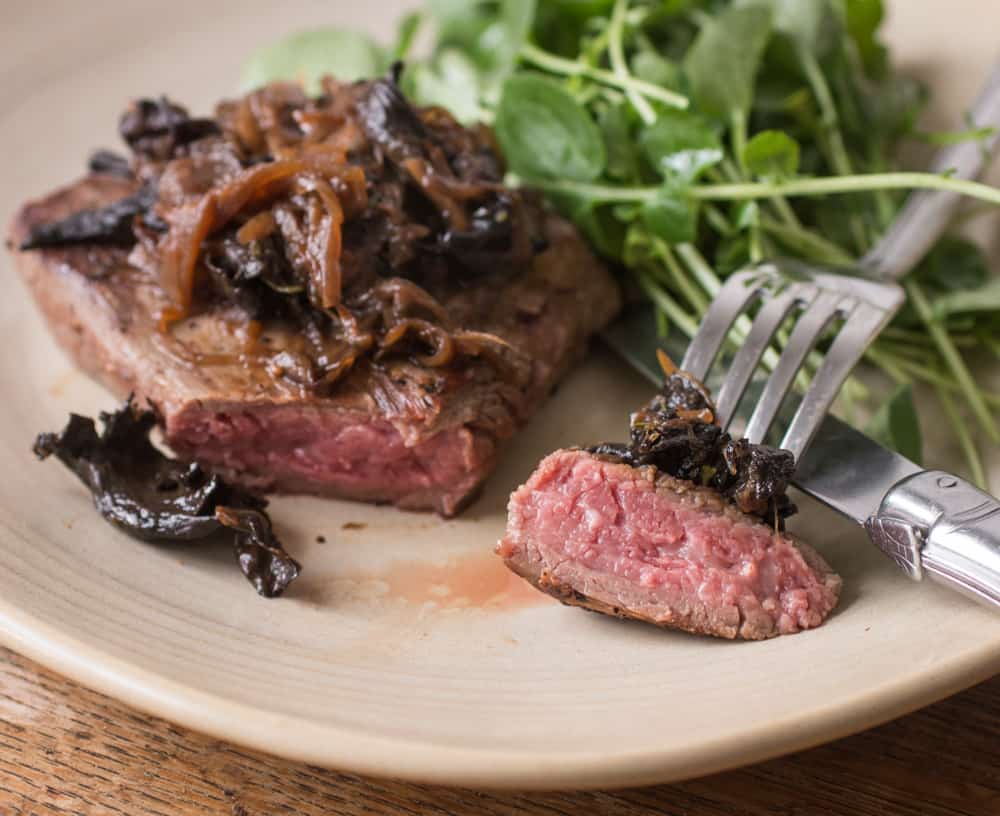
{"x":930,"y":523}
{"x":862,"y":304}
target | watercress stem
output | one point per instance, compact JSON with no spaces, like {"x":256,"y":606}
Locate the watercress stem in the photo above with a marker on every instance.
{"x":839,"y":159}
{"x":717,"y":219}
{"x":952,"y":359}
{"x":662,"y":324}
{"x":670,"y":307}
{"x":846,"y":184}
{"x":781,"y":206}
{"x":534,"y":55}
{"x":827,"y":185}
{"x":846,"y":399}
{"x":911,"y":351}
{"x":684,"y":283}
{"x":699,"y":267}
{"x":930,"y":376}
{"x":756,"y":248}
{"x":993,"y":344}
{"x":833,"y":138}
{"x":822,"y":250}
{"x":885,"y":207}
{"x":738,"y":133}
{"x":911,"y":337}
{"x":906,"y":335}
{"x":616,"y":53}
{"x":958,"y":424}
{"x":888,"y":364}
{"x":785,"y":212}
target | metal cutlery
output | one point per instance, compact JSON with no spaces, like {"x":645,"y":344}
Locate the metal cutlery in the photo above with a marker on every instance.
{"x":819,"y":299}
{"x":929,"y":522}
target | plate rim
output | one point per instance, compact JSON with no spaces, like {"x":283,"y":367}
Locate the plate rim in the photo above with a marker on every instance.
{"x":428,"y":762}
{"x":353,"y":749}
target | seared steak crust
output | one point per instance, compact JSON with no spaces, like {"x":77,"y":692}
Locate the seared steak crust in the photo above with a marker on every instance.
{"x":391,"y":431}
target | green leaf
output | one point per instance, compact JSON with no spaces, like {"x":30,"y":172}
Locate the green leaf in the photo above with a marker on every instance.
{"x":863,"y":18}
{"x":772,"y":154}
{"x":892,"y":109}
{"x":451,"y":80}
{"x":812,"y":24}
{"x":602,"y":229}
{"x":722,"y":63}
{"x":580,"y":9}
{"x":308,"y":55}
{"x":953,"y":265}
{"x":626,"y":213}
{"x":672,"y":215}
{"x":461,"y":23}
{"x":406,"y":32}
{"x":490,"y":34}
{"x":896,"y":425}
{"x":681,"y":146}
{"x":477,"y":48}
{"x":515,"y":23}
{"x":652,"y":67}
{"x":562,"y":26}
{"x":545,"y":133}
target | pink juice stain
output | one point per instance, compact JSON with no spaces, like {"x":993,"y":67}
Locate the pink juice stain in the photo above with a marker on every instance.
{"x":472,"y":581}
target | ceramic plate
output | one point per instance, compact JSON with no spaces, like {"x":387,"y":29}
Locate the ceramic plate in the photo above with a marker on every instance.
{"x":406,"y":649}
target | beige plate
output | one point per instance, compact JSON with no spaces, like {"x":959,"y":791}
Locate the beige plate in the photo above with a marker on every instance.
{"x":405,"y":648}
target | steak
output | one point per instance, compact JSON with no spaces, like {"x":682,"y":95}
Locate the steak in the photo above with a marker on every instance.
{"x":333,"y":295}
{"x":391,"y":431}
{"x":635,"y":542}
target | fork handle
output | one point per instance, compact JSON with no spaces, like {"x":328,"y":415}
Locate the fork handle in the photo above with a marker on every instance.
{"x":927,"y":213}
{"x":938,"y":525}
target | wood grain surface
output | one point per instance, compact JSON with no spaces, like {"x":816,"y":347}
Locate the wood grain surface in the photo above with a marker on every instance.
{"x":67,"y":750}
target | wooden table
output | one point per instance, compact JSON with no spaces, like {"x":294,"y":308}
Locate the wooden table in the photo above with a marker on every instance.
{"x":67,"y":750}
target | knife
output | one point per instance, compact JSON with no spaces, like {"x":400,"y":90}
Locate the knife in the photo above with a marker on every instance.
{"x":930,"y":523}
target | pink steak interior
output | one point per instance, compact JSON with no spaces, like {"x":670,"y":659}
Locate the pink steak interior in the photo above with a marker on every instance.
{"x":624,"y":537}
{"x":314,"y":450}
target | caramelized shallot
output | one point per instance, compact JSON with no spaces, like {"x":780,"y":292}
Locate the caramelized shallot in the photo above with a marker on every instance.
{"x":343,"y":217}
{"x":440,"y":343}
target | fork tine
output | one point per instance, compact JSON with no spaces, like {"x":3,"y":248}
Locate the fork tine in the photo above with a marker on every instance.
{"x":804,"y":336}
{"x":860,"y":328}
{"x":730,"y":302}
{"x":765,"y":324}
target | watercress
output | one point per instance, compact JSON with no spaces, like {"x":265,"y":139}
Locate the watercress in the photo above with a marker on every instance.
{"x":676,"y":131}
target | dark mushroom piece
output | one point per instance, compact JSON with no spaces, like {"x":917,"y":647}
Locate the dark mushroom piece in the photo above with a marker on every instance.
{"x":155,"y":128}
{"x":676,"y":432}
{"x":110,"y":163}
{"x":103,"y":225}
{"x":154,"y":498}
{"x":346,"y":230}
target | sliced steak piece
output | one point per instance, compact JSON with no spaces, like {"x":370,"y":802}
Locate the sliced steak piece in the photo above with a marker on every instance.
{"x":393,"y":430}
{"x":636,"y":543}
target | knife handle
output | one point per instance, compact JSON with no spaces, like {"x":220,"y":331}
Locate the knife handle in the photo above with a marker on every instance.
{"x":938,"y":525}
